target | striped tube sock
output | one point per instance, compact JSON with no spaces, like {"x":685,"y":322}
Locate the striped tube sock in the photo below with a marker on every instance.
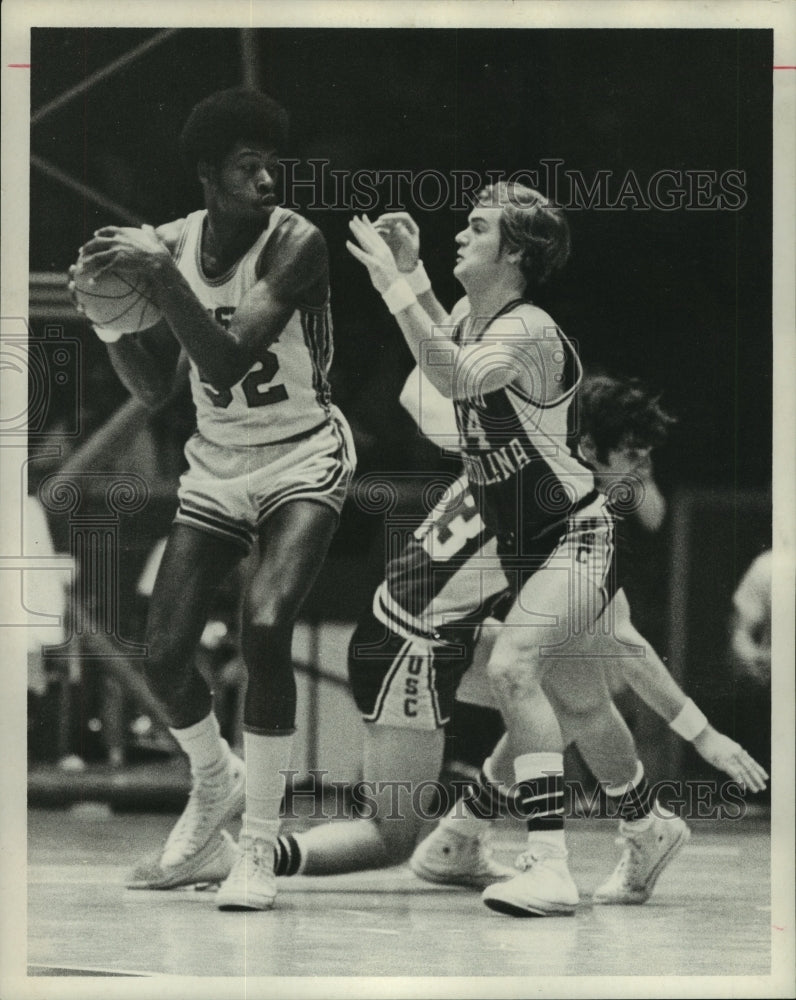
{"x":633,"y":799}
{"x":540,"y":796}
{"x":287,"y":856}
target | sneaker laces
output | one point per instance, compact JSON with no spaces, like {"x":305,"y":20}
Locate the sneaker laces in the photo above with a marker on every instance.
{"x":537,"y":855}
{"x":257,"y":854}
{"x":191,"y":828}
{"x":528,"y":859}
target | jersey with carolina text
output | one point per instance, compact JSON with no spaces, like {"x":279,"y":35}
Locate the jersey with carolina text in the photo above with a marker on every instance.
{"x":447,"y":572}
{"x":285,"y":393}
{"x":520,"y":454}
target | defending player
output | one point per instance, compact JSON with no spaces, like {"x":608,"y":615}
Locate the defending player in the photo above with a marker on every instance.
{"x":243,"y":288}
{"x":408,"y":653}
{"x":512,"y":376}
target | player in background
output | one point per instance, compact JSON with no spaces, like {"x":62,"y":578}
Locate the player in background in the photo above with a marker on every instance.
{"x":244,"y":291}
{"x":750,"y":624}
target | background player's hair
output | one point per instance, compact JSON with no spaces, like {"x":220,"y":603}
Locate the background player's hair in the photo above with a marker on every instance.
{"x":533,"y":224}
{"x":621,"y":412}
{"x":227,"y":117}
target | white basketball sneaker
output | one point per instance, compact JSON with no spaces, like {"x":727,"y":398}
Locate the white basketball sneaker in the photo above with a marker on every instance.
{"x":195,"y":849}
{"x":542,"y":888}
{"x":251,"y":885}
{"x":451,"y":858}
{"x":645,"y":855}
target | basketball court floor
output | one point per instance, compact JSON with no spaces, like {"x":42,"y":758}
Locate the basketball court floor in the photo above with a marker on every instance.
{"x":710,"y":915}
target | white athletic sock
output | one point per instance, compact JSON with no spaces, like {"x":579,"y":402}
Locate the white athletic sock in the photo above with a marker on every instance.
{"x":266,"y":758}
{"x":207,"y":752}
{"x":544,"y":767}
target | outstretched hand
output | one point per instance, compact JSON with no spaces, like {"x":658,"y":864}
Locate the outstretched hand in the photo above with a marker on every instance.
{"x":123,"y":248}
{"x":372,"y":251}
{"x":402,"y":236}
{"x":730,"y":757}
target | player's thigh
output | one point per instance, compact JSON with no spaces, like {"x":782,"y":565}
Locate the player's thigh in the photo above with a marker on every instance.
{"x":537,"y":624}
{"x":194,"y":565}
{"x":293,"y":545}
{"x":396,"y":753}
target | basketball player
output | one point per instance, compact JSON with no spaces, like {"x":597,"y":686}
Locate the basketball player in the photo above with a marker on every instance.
{"x":243,"y":288}
{"x":427,"y":619}
{"x":512,"y":376}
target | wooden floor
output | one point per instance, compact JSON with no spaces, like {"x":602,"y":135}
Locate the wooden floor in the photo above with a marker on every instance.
{"x":710,"y":915}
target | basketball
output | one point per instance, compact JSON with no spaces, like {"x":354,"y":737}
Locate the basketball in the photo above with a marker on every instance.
{"x":114,"y":302}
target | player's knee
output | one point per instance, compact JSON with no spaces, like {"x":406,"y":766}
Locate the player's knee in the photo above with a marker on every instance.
{"x":577,"y":704}
{"x":269,"y":612}
{"x":510,"y":673}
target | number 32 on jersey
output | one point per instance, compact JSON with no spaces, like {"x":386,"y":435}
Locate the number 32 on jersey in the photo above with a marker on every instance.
{"x":256,"y":385}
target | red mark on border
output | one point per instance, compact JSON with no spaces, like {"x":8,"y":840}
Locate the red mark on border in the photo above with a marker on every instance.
{"x":783,"y":67}
{"x":19,"y":65}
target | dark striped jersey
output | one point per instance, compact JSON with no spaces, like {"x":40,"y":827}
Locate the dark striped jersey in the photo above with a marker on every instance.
{"x":447,"y":572}
{"x":520,"y":453}
{"x":286,"y":392}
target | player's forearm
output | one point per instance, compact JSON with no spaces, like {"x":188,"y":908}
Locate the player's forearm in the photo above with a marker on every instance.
{"x":144,"y":376}
{"x":433,"y":307}
{"x":435,"y":354}
{"x":653,"y":683}
{"x":647,"y":674}
{"x":215,"y":351}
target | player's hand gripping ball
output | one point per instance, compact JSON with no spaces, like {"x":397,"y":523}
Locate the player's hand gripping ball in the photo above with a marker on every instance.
{"x":115,"y":302}
{"x":108,"y":283}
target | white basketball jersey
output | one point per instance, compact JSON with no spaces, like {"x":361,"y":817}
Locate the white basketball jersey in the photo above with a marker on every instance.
{"x":286,"y":392}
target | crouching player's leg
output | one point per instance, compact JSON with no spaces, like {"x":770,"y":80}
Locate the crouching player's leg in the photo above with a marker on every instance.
{"x":405,"y":689}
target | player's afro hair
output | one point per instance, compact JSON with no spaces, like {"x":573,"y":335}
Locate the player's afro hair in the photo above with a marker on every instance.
{"x":532,"y":224}
{"x":227,"y":117}
{"x":621,"y":412}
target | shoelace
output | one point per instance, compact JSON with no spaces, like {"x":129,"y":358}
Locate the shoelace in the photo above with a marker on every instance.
{"x":191,"y":825}
{"x":527,"y":860}
{"x":256,"y":853}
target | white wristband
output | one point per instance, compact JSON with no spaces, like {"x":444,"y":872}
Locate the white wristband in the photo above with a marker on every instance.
{"x":108,"y":336}
{"x":399,"y":296}
{"x":418,"y":279}
{"x":689,"y":721}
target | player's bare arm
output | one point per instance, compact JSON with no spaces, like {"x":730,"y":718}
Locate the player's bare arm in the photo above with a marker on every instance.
{"x":223,"y":355}
{"x":147,"y":362}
